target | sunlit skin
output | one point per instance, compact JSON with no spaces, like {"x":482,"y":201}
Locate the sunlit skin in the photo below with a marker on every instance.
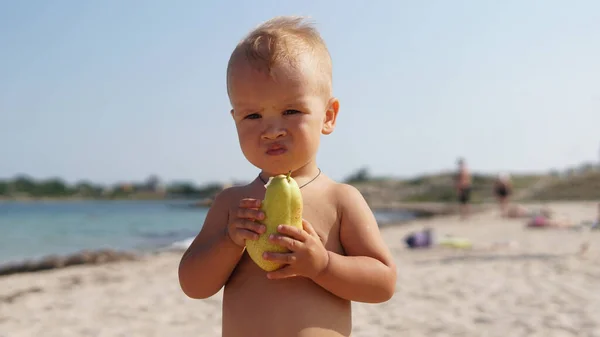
{"x":339,"y":255}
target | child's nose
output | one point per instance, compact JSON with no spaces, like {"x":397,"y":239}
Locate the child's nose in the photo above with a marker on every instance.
{"x":273,"y":132}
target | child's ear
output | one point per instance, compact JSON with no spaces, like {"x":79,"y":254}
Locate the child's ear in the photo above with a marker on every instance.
{"x":330,"y":116}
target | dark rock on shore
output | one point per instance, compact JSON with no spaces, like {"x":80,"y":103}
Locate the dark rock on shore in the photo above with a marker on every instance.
{"x":56,"y":261}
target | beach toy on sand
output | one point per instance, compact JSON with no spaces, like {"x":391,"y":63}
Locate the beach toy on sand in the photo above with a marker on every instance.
{"x":282,"y":205}
{"x":421,"y":239}
{"x":455,"y":242}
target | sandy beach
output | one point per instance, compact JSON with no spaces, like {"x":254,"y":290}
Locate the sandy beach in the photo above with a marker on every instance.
{"x":513,"y":282}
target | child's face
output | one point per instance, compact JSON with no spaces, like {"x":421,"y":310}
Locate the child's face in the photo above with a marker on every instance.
{"x":280,"y":117}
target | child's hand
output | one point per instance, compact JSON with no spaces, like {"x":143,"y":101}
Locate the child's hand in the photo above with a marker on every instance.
{"x":244,"y":225}
{"x":308,"y":256}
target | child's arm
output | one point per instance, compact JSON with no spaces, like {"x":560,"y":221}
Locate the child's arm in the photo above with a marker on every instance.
{"x":212,"y":256}
{"x":367,"y":273}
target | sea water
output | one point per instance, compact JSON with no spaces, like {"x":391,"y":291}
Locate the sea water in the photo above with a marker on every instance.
{"x":30,"y":230}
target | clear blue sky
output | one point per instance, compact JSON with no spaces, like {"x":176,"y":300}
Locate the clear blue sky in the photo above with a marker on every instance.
{"x":117,"y":90}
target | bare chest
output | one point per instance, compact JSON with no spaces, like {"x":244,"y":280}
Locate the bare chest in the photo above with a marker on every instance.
{"x":316,"y":311}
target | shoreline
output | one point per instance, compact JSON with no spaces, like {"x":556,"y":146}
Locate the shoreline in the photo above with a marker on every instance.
{"x":99,"y":256}
{"x":419,"y":208}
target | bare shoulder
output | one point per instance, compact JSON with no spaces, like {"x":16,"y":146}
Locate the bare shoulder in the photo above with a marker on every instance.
{"x":356,"y":214}
{"x":342,"y":195}
{"x":348,"y":196}
{"x":217,"y":216}
{"x":224,"y":200}
{"x":359,"y":231}
{"x":230,"y":196}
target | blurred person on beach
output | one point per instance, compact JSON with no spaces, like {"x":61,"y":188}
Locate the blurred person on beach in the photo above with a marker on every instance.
{"x":550,"y":221}
{"x":279,"y":82}
{"x":539,"y":218}
{"x":596,"y":224}
{"x":546,"y":218}
{"x":463,"y":188}
{"x":502,"y":191}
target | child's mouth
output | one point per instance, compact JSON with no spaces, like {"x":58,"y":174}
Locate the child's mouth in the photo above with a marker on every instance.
{"x":275,"y":150}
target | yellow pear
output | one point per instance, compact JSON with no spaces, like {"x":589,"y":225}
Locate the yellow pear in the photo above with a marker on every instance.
{"x":282,"y":206}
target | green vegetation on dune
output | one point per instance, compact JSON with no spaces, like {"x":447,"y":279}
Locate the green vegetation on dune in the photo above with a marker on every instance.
{"x":583,"y":187}
{"x":24,"y":188}
{"x":574,"y":184}
{"x":425,"y":188}
{"x":583,"y":184}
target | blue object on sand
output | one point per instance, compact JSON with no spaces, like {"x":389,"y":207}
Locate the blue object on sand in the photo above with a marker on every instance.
{"x":420,"y":239}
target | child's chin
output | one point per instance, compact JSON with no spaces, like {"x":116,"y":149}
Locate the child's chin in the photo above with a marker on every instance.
{"x":284,"y":169}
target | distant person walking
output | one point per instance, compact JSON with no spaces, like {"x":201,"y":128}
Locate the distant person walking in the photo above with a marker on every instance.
{"x":503,"y":190}
{"x":596,"y":224}
{"x":463,"y":188}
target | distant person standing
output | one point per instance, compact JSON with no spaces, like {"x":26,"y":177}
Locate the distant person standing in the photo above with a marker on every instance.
{"x":596,"y":224}
{"x":463,"y":188}
{"x":503,"y":190}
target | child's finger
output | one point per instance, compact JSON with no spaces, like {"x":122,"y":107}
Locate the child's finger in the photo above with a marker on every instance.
{"x":284,"y":258}
{"x":250,"y":203}
{"x":308,"y":228}
{"x":250,"y":225}
{"x":249,"y":213}
{"x":293,"y":232}
{"x":285,"y":241}
{"x":246,"y":234}
{"x":281,"y":273}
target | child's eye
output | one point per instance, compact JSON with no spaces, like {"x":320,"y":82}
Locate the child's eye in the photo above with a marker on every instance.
{"x":291,"y":112}
{"x":252,"y":116}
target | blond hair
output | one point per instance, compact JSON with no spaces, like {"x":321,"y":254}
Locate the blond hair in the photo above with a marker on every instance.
{"x":280,"y":41}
